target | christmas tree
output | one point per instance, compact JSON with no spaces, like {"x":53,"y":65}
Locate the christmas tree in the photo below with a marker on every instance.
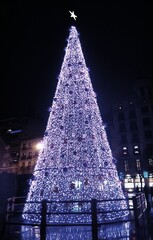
{"x":76,"y":161}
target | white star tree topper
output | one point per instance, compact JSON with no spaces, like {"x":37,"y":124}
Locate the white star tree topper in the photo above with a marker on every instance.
{"x":73,"y":15}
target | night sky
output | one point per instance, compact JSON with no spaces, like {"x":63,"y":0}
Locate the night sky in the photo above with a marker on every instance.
{"x":116,"y":39}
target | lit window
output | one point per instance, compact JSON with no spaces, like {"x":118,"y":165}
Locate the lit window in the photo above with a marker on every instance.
{"x":124,"y":151}
{"x":126,"y":166}
{"x":136,"y":150}
{"x":29,"y":164}
{"x":150,"y":162}
{"x":138,"y":165}
{"x":136,"y":147}
{"x":23,"y":164}
{"x":30,"y":145}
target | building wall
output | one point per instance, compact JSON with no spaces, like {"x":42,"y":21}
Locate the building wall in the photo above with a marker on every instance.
{"x":19,"y":137}
{"x":29,"y":150}
{"x":132,"y":130}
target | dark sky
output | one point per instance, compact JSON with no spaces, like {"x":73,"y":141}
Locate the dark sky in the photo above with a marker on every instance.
{"x":116,"y":38}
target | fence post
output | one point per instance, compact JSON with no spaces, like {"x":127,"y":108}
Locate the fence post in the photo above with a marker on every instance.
{"x":94,"y":219}
{"x":43,"y":220}
{"x":4,"y":226}
{"x":13,"y":203}
{"x":8,"y":209}
{"x":135,"y":207}
{"x":144,"y":207}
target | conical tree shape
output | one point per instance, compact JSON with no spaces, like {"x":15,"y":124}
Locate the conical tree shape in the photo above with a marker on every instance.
{"x":76,"y":161}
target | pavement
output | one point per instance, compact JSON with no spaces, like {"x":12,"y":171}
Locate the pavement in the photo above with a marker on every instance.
{"x":145,"y":230}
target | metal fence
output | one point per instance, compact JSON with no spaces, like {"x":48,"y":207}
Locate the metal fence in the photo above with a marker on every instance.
{"x":139,"y":207}
{"x":15,"y":205}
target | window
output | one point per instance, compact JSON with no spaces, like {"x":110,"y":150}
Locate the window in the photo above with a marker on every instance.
{"x":142,"y":91}
{"x":14,"y":154}
{"x":149,"y":92}
{"x":136,"y":150}
{"x":146,"y":122}
{"x":123,"y":139}
{"x":148,"y":134}
{"x":132,"y":114}
{"x":23,"y":156}
{"x":23,"y":164}
{"x":24,"y":147}
{"x":29,"y":166}
{"x":30,"y":145}
{"x":134,"y":138}
{"x":122,"y":127}
{"x":121,"y":116}
{"x":133,"y":126}
{"x":35,"y":154}
{"x":144,"y":109}
{"x":30,"y":155}
{"x":138,"y":165}
{"x":150,"y":161}
{"x":124,"y":151}
{"x":126,"y":166}
{"x":149,"y":149}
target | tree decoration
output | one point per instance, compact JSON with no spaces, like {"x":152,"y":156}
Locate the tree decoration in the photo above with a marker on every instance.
{"x":65,"y":170}
{"x":86,"y":182}
{"x":76,"y":151}
{"x":72,"y":185}
{"x":55,"y":190}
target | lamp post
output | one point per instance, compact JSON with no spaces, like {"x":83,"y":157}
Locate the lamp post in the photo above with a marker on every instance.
{"x":141,"y":176}
{"x":133,"y":175}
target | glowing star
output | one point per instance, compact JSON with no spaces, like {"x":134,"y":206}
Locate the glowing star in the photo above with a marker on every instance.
{"x":73,"y":15}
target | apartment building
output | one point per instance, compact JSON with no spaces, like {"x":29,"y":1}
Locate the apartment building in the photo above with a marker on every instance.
{"x":131,"y":135}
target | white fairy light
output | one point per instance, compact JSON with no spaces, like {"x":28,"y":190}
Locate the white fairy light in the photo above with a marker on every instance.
{"x":76,"y":161}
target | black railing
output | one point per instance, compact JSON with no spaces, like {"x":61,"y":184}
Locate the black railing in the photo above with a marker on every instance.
{"x":15,"y":208}
{"x":140,"y":207}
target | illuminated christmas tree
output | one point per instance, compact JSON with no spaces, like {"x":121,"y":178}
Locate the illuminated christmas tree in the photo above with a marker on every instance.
{"x":76,"y":161}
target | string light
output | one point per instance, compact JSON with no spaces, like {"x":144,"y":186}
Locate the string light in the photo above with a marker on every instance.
{"x":76,"y":161}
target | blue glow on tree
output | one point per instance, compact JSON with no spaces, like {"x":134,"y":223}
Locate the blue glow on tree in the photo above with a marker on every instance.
{"x":76,"y":161}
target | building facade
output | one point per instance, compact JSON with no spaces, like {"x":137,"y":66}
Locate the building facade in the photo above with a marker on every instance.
{"x":129,"y":130}
{"x":19,"y":145}
{"x":131,"y":136}
{"x":29,"y":150}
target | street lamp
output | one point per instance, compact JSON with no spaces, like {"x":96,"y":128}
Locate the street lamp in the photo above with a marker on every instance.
{"x":39,"y":146}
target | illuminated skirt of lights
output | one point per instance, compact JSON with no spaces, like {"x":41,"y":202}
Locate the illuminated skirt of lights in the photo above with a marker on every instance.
{"x":69,"y":213}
